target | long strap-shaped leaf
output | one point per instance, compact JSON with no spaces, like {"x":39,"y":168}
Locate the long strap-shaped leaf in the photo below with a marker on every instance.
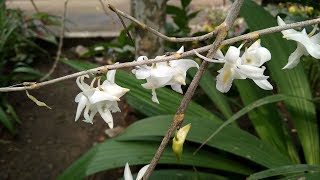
{"x":208,"y":85}
{"x":112,"y":154}
{"x":266,"y":120}
{"x":292,"y":82}
{"x":230,"y":139}
{"x":284,"y":170}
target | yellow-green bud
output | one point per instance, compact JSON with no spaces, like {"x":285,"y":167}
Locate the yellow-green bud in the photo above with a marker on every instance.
{"x":310,"y":10}
{"x":178,"y":140}
{"x":292,"y":9}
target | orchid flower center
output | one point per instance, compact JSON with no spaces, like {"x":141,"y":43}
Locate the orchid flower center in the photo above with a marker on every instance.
{"x":226,"y":75}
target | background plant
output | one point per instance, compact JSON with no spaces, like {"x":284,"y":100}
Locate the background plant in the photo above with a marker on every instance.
{"x":20,"y":35}
{"x":274,"y":147}
{"x":234,"y":153}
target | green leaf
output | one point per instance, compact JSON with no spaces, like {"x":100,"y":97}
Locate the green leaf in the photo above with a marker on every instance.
{"x":185,"y":3}
{"x":6,"y":121}
{"x":292,"y":82}
{"x":11,"y":111}
{"x":267,"y":122}
{"x":178,"y":174}
{"x":173,"y":10}
{"x":208,"y":85}
{"x":283,"y":170}
{"x":113,"y":154}
{"x":27,"y":70}
{"x":193,"y":15}
{"x":230,"y":139}
{"x":140,"y":98}
{"x":79,"y":65}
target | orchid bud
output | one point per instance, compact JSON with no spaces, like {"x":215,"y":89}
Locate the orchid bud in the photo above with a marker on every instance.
{"x":178,"y":140}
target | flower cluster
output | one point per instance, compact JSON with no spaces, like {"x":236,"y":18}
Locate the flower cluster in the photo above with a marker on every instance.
{"x":249,"y":65}
{"x":102,"y":99}
{"x":161,"y":74}
{"x":308,"y":44}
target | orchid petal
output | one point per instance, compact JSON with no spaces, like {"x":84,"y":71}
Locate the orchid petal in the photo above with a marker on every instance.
{"x":99,"y":96}
{"x":181,"y":50}
{"x":81,"y":105}
{"x":93,"y":113}
{"x":81,"y":84}
{"x":252,"y":72}
{"x":154,"y":96}
{"x":316,"y":38}
{"x":106,"y":115}
{"x":78,"y":97}
{"x":142,"y":58}
{"x":114,"y":107}
{"x":184,"y":64}
{"x":142,"y":73}
{"x":89,"y":118}
{"x":177,"y":88}
{"x":219,"y":55}
{"x":232,"y":54}
{"x":237,"y":74}
{"x":127,"y":173}
{"x":179,"y":79}
{"x":312,"y":48}
{"x":285,"y":32}
{"x":142,"y":171}
{"x":111,"y":76}
{"x":224,"y":79}
{"x":294,"y":57}
{"x":113,"y":89}
{"x":86,"y":115}
{"x":263,"y":84}
{"x":263,"y":55}
{"x":159,"y":81}
{"x":147,"y":85}
{"x":255,"y":45}
{"x":161,"y":71}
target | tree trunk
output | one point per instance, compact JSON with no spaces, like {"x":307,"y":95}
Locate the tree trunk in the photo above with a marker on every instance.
{"x":152,"y":13}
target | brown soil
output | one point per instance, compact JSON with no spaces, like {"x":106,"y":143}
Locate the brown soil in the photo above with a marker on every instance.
{"x":48,"y":141}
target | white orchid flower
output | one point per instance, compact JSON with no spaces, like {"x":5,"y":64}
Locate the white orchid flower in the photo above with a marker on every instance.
{"x":83,"y":98}
{"x":102,"y":99}
{"x":161,"y":74}
{"x":127,"y":172}
{"x":229,"y":72}
{"x":246,"y":66}
{"x":308,"y":44}
{"x":255,"y":56}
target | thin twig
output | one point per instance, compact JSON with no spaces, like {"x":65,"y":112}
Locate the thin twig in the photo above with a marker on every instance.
{"x":179,"y":116}
{"x":34,"y":6}
{"x":157,"y":33}
{"x":58,"y":55}
{"x":123,"y":24}
{"x":249,"y":36}
{"x":106,"y":12}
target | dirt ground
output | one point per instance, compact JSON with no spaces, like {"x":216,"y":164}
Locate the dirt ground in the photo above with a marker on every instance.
{"x":48,"y":141}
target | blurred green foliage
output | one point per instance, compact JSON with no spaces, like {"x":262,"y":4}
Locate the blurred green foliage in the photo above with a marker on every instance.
{"x":19,"y":48}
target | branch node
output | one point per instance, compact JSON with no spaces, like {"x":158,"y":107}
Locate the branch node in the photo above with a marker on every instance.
{"x":32,"y":85}
{"x":111,"y":8}
{"x":177,"y":55}
{"x":254,"y":35}
{"x":178,"y":117}
{"x":103,"y":70}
